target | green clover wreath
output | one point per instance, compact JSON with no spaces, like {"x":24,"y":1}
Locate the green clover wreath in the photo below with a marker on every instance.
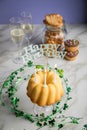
{"x":41,"y":120}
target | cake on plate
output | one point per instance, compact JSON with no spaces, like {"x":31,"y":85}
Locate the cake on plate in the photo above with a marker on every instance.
{"x":46,"y":95}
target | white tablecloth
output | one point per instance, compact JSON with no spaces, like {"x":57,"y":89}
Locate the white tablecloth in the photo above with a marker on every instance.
{"x":76,"y":72}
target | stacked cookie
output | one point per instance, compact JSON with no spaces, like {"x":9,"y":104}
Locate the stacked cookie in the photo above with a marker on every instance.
{"x":55,"y":20}
{"x":71,"y":48}
{"x":53,"y":33}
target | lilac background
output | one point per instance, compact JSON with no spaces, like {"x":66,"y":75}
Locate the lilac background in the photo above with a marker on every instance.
{"x":73,"y":11}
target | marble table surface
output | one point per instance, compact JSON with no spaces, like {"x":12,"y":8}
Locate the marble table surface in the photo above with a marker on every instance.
{"x":76,"y":72}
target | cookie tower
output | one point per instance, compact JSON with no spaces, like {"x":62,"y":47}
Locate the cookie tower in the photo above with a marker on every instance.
{"x":54,"y":33}
{"x":71,"y":48}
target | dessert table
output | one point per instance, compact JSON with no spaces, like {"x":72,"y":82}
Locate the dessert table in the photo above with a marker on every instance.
{"x":75,"y":71}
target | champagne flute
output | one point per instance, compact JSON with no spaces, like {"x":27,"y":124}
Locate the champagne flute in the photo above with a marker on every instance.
{"x":27,"y":25}
{"x":17,"y":36}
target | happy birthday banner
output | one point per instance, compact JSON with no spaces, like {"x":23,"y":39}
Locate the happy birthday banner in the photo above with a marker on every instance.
{"x":36,"y":51}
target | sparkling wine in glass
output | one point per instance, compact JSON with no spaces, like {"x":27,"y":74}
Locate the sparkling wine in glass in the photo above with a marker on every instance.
{"x":27,"y":24}
{"x":17,"y":36}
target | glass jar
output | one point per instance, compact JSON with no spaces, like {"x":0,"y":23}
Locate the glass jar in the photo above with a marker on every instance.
{"x":53,"y":35}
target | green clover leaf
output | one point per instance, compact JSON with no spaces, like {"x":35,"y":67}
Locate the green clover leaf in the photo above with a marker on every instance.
{"x":30,"y":63}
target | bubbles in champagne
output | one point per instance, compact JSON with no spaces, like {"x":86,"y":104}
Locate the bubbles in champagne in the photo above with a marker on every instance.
{"x":17,"y":35}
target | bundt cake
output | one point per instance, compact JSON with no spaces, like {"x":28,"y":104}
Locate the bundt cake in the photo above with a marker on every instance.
{"x":46,"y":95}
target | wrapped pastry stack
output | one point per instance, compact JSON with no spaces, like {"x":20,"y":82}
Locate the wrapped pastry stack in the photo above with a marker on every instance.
{"x":54,"y":29}
{"x":71,"y":48}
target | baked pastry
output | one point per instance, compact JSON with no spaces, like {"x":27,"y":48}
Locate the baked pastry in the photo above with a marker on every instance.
{"x":53,"y":37}
{"x":71,"y":55}
{"x":55,"y":20}
{"x":50,"y":94}
{"x":71,"y":45}
{"x":53,"y":40}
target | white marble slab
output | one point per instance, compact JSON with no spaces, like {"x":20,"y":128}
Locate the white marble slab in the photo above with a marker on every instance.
{"x":76,"y":72}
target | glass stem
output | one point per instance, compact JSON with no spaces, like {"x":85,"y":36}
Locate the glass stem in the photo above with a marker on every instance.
{"x":19,"y":50}
{"x":28,"y":40}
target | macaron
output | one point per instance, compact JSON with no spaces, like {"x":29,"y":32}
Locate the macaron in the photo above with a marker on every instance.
{"x":71,"y":55}
{"x":71,"y":45}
